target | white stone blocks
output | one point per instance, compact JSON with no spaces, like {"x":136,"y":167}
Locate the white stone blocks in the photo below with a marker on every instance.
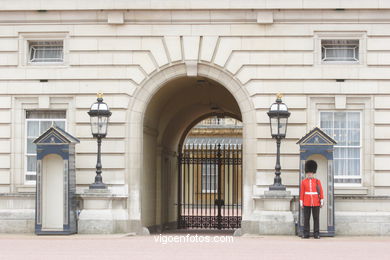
{"x":267,"y":162}
{"x":108,"y":145}
{"x":382,"y":102}
{"x":378,"y":44}
{"x":382,"y":117}
{"x":225,"y":47}
{"x":8,"y":44}
{"x":155,"y":45}
{"x":83,"y":44}
{"x":382,"y":132}
{"x":5,"y":131}
{"x":382,"y":147}
{"x":113,"y":101}
{"x":5,"y":116}
{"x":5,"y":177}
{"x":190,"y":15}
{"x":5,"y":161}
{"x":5,"y":146}
{"x":5,"y":101}
{"x":268,"y":146}
{"x":89,"y":161}
{"x":381,"y":163}
{"x":8,"y":58}
{"x":382,"y":179}
{"x":191,"y":47}
{"x":173,"y":44}
{"x":242,"y":58}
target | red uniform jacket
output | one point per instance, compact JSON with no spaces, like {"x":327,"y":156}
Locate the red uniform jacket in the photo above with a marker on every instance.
{"x":309,"y":193}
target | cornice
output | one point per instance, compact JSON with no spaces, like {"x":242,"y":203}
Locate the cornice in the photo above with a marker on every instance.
{"x":12,"y":5}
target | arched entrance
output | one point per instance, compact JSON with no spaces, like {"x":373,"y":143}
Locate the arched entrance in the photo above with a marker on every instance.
{"x":168,"y":105}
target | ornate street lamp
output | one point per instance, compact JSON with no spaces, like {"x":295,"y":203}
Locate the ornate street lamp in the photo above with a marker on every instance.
{"x":99,"y":115}
{"x":278,"y":117}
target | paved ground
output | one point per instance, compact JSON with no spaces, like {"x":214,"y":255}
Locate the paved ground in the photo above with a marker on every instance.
{"x":154,"y":247}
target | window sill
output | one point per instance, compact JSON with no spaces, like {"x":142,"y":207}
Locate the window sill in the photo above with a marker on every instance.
{"x":26,"y":188}
{"x":41,"y":65}
{"x":350,"y":191}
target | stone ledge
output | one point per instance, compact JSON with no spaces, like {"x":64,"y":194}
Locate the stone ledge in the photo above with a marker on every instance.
{"x":18,"y":195}
{"x":362,"y":223}
{"x":269,"y":223}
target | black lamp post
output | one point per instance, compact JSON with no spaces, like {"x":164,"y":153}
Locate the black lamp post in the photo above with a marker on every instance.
{"x":99,"y":115}
{"x":278,"y":117}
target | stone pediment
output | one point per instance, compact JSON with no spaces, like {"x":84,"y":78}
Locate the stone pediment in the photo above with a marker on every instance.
{"x":56,"y":135}
{"x":316,"y":137}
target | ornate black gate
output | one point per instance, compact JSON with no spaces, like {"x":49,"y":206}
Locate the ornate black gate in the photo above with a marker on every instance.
{"x":210,"y":186}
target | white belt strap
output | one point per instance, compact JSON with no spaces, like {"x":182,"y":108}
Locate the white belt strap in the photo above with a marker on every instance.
{"x":311,"y":193}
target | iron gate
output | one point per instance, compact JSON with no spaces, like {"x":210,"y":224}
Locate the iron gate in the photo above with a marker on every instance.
{"x":210,"y":186}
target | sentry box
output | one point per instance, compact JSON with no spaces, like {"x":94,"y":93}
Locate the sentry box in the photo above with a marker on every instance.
{"x":55,"y":204}
{"x":317,"y":145}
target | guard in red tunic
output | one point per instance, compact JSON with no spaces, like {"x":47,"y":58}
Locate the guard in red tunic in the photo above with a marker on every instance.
{"x":311,"y":198}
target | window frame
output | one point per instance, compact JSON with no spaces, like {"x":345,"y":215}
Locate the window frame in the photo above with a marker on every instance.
{"x":31,"y":45}
{"x":215,"y":175}
{"x":360,"y":148}
{"x":24,"y":53}
{"x":361,"y":36}
{"x":330,"y":60}
{"x":26,"y":137}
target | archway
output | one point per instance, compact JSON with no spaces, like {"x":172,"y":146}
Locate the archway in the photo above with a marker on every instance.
{"x":168,"y":105}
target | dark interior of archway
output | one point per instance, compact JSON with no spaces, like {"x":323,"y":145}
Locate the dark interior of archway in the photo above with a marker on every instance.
{"x":170,"y":114}
{"x":181,"y":102}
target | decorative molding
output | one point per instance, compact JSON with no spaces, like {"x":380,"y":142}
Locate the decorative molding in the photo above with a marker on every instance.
{"x":115,"y":18}
{"x":265,"y":17}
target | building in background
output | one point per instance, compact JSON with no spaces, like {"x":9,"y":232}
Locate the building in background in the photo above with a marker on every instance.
{"x":165,"y":65}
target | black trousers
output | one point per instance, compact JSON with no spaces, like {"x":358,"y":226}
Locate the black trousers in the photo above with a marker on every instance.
{"x":316,"y":218}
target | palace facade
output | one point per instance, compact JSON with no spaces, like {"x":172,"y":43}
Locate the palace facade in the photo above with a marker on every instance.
{"x":163,"y":67}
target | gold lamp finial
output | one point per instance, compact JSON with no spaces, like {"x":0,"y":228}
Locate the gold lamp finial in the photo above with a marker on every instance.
{"x":100,"y":95}
{"x":279,"y":96}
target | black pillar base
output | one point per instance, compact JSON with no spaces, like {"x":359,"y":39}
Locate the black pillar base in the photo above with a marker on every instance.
{"x":98,"y":186}
{"x":277,"y":187}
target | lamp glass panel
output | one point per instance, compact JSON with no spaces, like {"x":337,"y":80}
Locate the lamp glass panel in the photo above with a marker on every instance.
{"x":282,"y":126}
{"x":274,"y":125}
{"x":94,"y":125}
{"x":102,"y":125}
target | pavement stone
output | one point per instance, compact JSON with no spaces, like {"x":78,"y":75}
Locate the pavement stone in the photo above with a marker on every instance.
{"x":128,"y":246}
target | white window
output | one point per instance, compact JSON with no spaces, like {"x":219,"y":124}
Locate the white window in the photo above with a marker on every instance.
{"x":209,"y":178}
{"x":37,"y":122}
{"x":340,"y":50}
{"x":46,"y":51}
{"x":345,"y":128}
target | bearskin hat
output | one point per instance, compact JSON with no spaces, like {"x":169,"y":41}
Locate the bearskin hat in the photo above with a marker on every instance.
{"x":311,"y":166}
